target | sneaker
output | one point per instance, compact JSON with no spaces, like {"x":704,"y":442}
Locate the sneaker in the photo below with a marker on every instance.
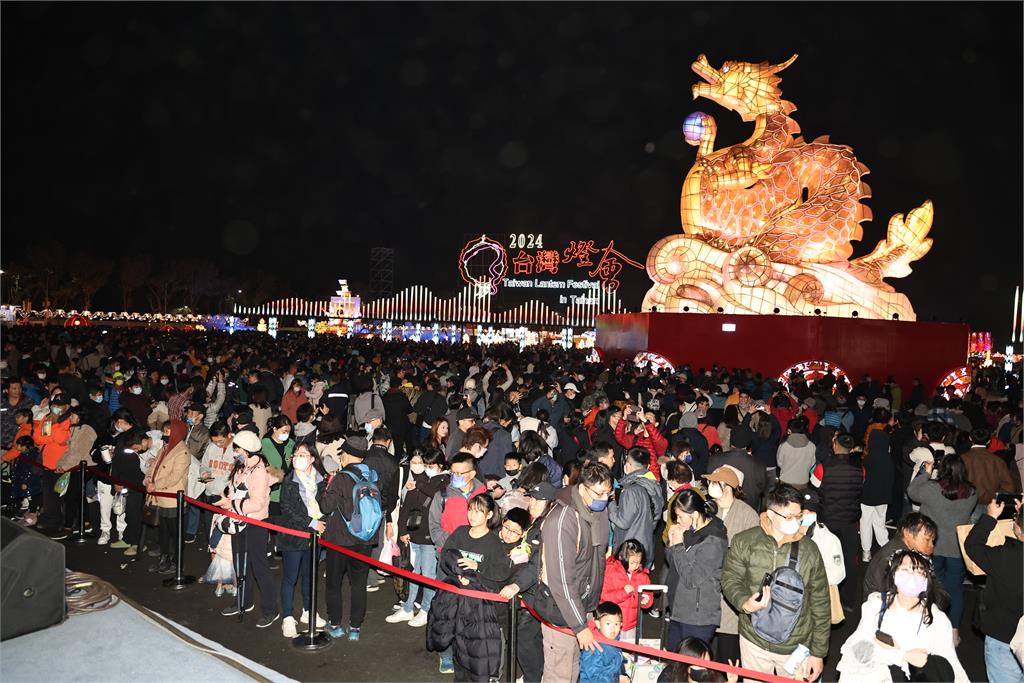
{"x":132,"y":550}
{"x":372,"y":589}
{"x":399,"y":616}
{"x":218,"y":591}
{"x":866,"y":556}
{"x":229,"y":590}
{"x":232,"y":610}
{"x":288,"y":628}
{"x":446,"y":666}
{"x":119,"y":544}
{"x":353,"y":634}
{"x":336,"y":631}
{"x":190,"y":538}
{"x":59,"y":534}
{"x":304,"y":618}
{"x":419,"y":620}
{"x":104,"y":539}
{"x":655,"y":613}
{"x":267,"y":620}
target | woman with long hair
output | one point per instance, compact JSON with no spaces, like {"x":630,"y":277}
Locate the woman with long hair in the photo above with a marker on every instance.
{"x":697,"y":544}
{"x":168,"y":474}
{"x":300,"y":511}
{"x":439,"y":433}
{"x":902,"y":635}
{"x":947,"y":497}
{"x":248,"y":494}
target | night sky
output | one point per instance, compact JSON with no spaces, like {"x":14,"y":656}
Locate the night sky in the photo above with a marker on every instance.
{"x":289,"y":139}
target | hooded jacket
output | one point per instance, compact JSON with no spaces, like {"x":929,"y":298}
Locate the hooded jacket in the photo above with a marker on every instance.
{"x":754,"y":553}
{"x":637,"y":510}
{"x":493,"y":460}
{"x":697,"y":562}
{"x":614,"y":590}
{"x":574,"y":540}
{"x":796,"y":460}
{"x":169,"y":473}
{"x":652,"y":440}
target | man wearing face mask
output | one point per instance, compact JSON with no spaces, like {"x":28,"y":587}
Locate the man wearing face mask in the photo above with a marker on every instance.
{"x":759,"y":551}
{"x":639,"y":503}
{"x":574,"y":541}
{"x":861,"y":410}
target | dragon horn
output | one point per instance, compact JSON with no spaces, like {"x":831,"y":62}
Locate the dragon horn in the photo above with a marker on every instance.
{"x":779,"y":67}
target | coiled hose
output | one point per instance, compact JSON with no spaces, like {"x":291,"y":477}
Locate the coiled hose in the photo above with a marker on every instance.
{"x":87,"y":593}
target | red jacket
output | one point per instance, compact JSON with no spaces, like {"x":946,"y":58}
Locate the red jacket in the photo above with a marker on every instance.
{"x":23,"y":430}
{"x":653,"y":441}
{"x":615,"y":581}
{"x":55,"y":443}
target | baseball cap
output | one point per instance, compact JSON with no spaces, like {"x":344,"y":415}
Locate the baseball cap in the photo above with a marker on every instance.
{"x":248,"y":441}
{"x":726,"y":474}
{"x":542,"y":491}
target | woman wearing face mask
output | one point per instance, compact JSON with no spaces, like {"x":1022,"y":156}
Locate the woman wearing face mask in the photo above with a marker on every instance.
{"x":278,"y":446}
{"x":424,"y":481}
{"x":902,"y":635}
{"x":697,"y":544}
{"x":248,"y":494}
{"x":168,"y":474}
{"x":724,"y":488}
{"x":292,"y":399}
{"x":299,"y":511}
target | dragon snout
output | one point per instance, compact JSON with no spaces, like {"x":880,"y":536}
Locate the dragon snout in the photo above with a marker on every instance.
{"x":705,"y":70}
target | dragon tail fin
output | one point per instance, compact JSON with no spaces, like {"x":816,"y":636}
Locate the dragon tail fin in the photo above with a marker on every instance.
{"x":906,"y":241}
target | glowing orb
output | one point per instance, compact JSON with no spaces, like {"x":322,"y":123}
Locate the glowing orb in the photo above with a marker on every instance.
{"x":694,"y":126}
{"x":483,"y":263}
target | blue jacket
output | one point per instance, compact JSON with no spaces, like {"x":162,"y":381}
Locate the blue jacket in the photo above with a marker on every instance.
{"x":601,"y":667}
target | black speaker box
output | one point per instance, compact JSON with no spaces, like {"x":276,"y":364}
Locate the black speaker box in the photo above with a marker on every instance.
{"x":31,"y":581}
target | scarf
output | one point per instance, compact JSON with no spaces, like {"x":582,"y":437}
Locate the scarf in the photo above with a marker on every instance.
{"x":307,"y":489}
{"x":598,"y":521}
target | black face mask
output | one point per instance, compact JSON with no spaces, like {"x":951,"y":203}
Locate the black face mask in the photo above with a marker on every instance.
{"x":512,"y":473}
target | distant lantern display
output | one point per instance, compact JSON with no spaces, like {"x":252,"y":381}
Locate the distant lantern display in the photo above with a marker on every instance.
{"x":768,"y":223}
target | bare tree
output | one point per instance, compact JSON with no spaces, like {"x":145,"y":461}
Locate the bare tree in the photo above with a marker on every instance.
{"x":133,"y":271}
{"x":89,"y":274}
{"x":199,"y":280}
{"x":161,"y":287}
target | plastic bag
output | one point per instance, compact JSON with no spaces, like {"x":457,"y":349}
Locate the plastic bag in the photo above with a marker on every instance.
{"x":61,"y":486}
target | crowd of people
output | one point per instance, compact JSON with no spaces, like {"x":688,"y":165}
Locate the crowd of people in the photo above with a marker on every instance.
{"x":536,"y":473}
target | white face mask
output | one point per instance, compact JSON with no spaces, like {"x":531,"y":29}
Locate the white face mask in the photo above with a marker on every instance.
{"x":97,"y":399}
{"x":789,"y":527}
{"x":164,"y":381}
{"x":417,"y":468}
{"x":41,"y":375}
{"x":136,"y":390}
{"x":431,"y":473}
{"x":302,"y":462}
{"x":714,"y":490}
{"x":281,"y":438}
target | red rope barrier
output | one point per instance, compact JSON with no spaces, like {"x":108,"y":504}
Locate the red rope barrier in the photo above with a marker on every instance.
{"x":441,"y":585}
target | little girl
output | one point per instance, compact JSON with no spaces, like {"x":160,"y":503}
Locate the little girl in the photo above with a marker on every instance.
{"x":221,"y":570}
{"x":624,"y":572}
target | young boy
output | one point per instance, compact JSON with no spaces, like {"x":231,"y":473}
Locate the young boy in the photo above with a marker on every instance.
{"x":606,"y":665}
{"x":22,"y":418}
{"x":25,"y":483}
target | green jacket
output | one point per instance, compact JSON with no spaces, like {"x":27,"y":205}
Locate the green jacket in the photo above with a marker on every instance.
{"x":752,"y":554}
{"x":273,"y":456}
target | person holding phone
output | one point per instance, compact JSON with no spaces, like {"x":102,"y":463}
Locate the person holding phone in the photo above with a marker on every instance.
{"x":902,"y":634}
{"x":1002,"y":598}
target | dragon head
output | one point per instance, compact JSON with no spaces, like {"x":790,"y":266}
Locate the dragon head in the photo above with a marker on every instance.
{"x":748,"y":89}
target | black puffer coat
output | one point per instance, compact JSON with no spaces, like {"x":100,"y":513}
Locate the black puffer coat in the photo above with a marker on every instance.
{"x":842,"y":486}
{"x":468,"y":625}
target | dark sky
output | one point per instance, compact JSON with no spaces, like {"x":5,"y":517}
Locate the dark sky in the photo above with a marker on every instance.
{"x":291,"y":138}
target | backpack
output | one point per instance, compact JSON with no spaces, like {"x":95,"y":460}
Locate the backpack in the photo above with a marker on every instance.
{"x":366,"y":509}
{"x":775,"y":623}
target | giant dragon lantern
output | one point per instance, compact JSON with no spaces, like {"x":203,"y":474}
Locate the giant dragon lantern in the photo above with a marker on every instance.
{"x":767,"y":223}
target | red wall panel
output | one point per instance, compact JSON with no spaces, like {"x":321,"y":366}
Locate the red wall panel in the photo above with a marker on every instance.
{"x":772,"y":343}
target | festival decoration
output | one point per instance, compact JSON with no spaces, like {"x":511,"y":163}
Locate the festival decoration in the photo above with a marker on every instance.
{"x":483,"y":264}
{"x":959,"y":379}
{"x":768,"y":222}
{"x":655,"y":360}
{"x":813,"y":370}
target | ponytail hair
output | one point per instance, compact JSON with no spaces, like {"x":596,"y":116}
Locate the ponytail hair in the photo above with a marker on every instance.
{"x":693,"y":500}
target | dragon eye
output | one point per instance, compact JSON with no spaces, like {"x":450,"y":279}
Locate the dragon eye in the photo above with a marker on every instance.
{"x":725,"y":68}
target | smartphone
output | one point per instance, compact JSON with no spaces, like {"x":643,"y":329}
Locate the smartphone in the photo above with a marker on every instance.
{"x":1009,"y":501}
{"x":765,"y":582}
{"x":884,"y":637}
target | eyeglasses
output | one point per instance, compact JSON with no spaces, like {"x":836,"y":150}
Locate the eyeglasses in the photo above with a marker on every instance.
{"x":510,"y":530}
{"x":463,"y":473}
{"x":788,"y":518}
{"x":598,"y":494}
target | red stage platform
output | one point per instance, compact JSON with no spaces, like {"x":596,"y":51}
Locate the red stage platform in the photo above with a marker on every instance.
{"x":771,"y":344}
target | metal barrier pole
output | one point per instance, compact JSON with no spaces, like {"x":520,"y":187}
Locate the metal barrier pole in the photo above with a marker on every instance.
{"x":179,"y":581}
{"x":80,"y":536}
{"x":312,"y":640}
{"x":511,"y":644}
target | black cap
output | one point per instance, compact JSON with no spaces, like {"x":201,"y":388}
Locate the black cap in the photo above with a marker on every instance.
{"x":465,"y":414}
{"x":810,"y":499}
{"x":542,"y":491}
{"x":197,"y":408}
{"x":355,"y":446}
{"x":59,"y":400}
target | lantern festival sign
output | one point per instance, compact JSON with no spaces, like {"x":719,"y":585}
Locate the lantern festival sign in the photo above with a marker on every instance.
{"x":768,"y":223}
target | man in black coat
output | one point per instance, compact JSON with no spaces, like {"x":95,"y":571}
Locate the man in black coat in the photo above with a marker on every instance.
{"x":385,"y":465}
{"x":755,"y":476}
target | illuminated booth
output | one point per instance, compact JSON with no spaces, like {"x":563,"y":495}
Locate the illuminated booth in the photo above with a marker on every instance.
{"x":767,"y":226}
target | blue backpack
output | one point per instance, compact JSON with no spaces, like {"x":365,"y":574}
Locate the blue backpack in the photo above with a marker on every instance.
{"x":366,"y":509}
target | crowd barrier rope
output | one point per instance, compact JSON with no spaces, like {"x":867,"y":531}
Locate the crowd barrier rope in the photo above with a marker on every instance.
{"x":179,"y":581}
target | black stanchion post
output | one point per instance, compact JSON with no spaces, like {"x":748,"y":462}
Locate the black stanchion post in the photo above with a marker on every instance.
{"x":312,"y":639}
{"x":179,"y":580}
{"x":80,"y":535}
{"x":510,"y":650}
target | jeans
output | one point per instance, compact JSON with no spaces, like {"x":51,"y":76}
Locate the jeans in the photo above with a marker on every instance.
{"x":677,"y":630}
{"x":424,"y":562}
{"x":295,"y":568}
{"x":951,"y":572}
{"x":338,"y":565}
{"x":1000,"y":664}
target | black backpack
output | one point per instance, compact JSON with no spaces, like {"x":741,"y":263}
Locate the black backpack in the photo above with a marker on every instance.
{"x":775,"y":623}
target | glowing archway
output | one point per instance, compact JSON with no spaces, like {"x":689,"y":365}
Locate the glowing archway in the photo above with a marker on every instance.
{"x":813,"y":370}
{"x":655,"y":360}
{"x":959,"y":379}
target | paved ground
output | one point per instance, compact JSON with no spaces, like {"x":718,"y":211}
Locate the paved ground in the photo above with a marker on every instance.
{"x":386,"y":652}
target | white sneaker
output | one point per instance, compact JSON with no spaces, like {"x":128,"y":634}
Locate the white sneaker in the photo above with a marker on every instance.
{"x":103,"y":539}
{"x":419,"y":620}
{"x":304,"y":618}
{"x":399,"y":616}
{"x":288,"y":628}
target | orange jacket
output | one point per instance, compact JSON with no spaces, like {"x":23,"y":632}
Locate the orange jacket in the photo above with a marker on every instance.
{"x":23,"y":430}
{"x":53,"y":439}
